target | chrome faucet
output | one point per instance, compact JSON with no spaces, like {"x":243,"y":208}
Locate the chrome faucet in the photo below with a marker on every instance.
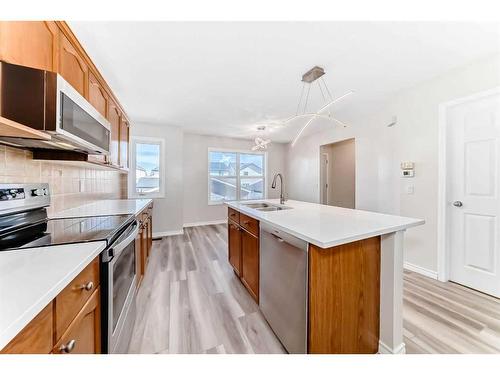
{"x":273,"y":185}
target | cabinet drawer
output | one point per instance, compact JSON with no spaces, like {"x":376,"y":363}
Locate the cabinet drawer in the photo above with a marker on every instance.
{"x":250,"y":224}
{"x":233,"y":215}
{"x":83,"y":335}
{"x":71,"y":300}
{"x":35,"y":338}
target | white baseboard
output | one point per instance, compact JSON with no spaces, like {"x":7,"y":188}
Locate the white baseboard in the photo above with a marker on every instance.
{"x":421,"y":270}
{"x":200,"y":223}
{"x":167,"y":233}
{"x":384,"y":349}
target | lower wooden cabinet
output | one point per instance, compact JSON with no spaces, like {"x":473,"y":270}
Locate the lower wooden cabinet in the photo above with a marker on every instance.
{"x":83,"y":335}
{"x":250,"y":263}
{"x":234,"y":238}
{"x":243,"y":250}
{"x":143,"y":241}
{"x":36,"y":337}
{"x":70,"y":323}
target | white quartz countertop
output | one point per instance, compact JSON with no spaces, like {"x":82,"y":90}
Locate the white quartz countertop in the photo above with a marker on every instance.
{"x":327,"y":226}
{"x":105,"y":207}
{"x":31,"y":278}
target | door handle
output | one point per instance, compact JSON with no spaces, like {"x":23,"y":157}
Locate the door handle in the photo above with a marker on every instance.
{"x":458,"y":204}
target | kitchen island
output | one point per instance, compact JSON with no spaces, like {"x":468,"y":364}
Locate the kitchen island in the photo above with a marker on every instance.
{"x":354,"y":274}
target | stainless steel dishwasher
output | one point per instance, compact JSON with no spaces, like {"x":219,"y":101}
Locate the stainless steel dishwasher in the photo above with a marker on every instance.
{"x":283,"y":286}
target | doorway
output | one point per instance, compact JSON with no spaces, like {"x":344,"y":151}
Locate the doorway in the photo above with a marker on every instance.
{"x":338,"y":174}
{"x":470,"y":202}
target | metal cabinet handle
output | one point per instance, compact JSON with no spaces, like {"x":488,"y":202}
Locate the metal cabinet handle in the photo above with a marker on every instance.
{"x":88,"y":286}
{"x":68,"y":348}
{"x":458,"y":204}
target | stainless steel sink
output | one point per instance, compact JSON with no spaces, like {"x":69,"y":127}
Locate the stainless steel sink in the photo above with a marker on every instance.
{"x":262,"y":206}
{"x":273,"y":208}
{"x":257,"y":205}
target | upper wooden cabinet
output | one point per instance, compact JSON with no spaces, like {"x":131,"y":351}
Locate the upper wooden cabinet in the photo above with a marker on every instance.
{"x":124,"y":140}
{"x":30,"y":43}
{"x":51,"y":45}
{"x":98,"y":96}
{"x":114,"y":118}
{"x":72,"y":66}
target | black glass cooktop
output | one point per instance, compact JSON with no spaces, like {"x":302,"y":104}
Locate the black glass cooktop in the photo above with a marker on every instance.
{"x":63,"y":231}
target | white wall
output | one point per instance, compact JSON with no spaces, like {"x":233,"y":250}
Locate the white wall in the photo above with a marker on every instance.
{"x":195,"y":162}
{"x":380,"y":149}
{"x":167,"y":213}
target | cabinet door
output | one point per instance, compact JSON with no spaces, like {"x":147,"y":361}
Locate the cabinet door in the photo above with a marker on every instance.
{"x":72,"y":66}
{"x":36,"y":337}
{"x":29,"y":43}
{"x":98,"y":97}
{"x":114,"y":117}
{"x":124,"y":135}
{"x":250,"y":263}
{"x":234,"y":251}
{"x":83,"y":335}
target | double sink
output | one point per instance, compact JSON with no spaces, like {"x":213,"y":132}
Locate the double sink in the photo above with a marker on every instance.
{"x":262,"y":206}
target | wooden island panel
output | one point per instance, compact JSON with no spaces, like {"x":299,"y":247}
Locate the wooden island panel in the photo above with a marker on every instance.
{"x":344,"y":298}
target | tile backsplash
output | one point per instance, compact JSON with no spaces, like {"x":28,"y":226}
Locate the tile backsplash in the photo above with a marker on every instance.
{"x":72,"y":184}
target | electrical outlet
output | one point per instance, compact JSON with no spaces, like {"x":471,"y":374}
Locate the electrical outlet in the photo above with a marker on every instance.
{"x":410,"y":189}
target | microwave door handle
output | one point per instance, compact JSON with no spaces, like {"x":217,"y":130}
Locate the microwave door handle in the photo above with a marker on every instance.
{"x":123,"y":244}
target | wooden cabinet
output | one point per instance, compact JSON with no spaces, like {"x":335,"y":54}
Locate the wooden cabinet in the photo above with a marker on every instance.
{"x":36,"y":337}
{"x":250,"y":263}
{"x":98,"y":96}
{"x":83,"y":336}
{"x":234,"y":238}
{"x":71,"y":322}
{"x":30,"y":43}
{"x":72,"y":66}
{"x":74,"y":296}
{"x":144,"y":241}
{"x":124,"y":141}
{"x":51,"y":45}
{"x":114,"y":118}
{"x":243,"y":250}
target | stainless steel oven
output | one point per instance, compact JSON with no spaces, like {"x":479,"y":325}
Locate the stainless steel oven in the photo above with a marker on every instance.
{"x":119,"y":274}
{"x":45,"y":101}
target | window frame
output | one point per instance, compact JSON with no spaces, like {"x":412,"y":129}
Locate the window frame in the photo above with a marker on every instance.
{"x":132,"y":189}
{"x":237,"y":176}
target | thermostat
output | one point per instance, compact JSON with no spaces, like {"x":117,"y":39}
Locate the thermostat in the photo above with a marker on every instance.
{"x":408,"y":173}
{"x":407,"y":169}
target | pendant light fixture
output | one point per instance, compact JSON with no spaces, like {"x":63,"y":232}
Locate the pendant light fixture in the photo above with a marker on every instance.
{"x":315,"y":75}
{"x":260,"y":142}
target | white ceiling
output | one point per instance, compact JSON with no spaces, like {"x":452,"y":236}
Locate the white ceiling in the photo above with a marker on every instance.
{"x":223,"y":78}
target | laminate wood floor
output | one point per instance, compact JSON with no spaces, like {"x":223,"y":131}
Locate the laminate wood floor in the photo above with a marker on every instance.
{"x":191,"y":301}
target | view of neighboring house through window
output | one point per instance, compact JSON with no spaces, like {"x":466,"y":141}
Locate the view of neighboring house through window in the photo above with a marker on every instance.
{"x":146,"y":161}
{"x":235,"y":176}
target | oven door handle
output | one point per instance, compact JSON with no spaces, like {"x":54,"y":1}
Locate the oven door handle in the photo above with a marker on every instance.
{"x":117,"y":249}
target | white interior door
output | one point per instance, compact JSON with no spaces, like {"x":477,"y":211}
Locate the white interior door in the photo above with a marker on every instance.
{"x":324,"y":178}
{"x":473,"y":129}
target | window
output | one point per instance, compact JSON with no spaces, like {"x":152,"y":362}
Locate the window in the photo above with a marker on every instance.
{"x":235,"y":175}
{"x":147,"y":176}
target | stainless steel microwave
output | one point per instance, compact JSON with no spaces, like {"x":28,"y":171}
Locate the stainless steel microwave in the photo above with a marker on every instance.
{"x":44,"y":101}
